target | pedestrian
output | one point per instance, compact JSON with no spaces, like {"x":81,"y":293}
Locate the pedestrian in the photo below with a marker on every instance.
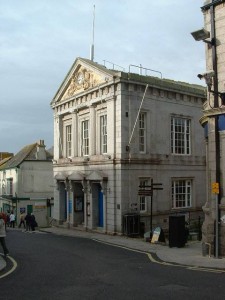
{"x":33,"y":222}
{"x":8,"y":218}
{"x":22,"y":220}
{"x":3,"y":235}
{"x":12,"y":219}
{"x":28,"y":220}
{"x":4,"y":216}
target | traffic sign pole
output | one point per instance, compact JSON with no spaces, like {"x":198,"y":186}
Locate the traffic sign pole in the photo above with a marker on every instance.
{"x":217,"y":229}
{"x":216,"y":190}
{"x":147,"y":190}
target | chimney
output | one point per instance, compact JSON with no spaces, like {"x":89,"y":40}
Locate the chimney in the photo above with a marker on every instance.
{"x":42,"y":143}
{"x":41,"y":154}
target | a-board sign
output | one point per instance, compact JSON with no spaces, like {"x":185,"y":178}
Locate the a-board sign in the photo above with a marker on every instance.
{"x":158,"y":235}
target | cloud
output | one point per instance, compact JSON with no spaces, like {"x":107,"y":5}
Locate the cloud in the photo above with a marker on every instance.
{"x":40,"y":40}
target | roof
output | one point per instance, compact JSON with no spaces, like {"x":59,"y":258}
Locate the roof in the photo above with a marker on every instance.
{"x":83,"y":61}
{"x":167,"y":84}
{"x":3,"y":161}
{"x":25,"y":154}
{"x":98,"y":66}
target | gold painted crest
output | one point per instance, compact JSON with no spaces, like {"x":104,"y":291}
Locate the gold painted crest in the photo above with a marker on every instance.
{"x":81,"y":81}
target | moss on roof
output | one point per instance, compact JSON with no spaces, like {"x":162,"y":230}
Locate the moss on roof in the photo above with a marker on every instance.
{"x":26,"y":153}
{"x":166,"y":84}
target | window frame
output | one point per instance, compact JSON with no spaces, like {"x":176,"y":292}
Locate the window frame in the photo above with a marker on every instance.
{"x":143,"y":129}
{"x":181,"y":192}
{"x":85,"y":140}
{"x":68,"y":140}
{"x":103,"y":134}
{"x":180,"y":139}
{"x":143,"y":200}
{"x":9,"y":186}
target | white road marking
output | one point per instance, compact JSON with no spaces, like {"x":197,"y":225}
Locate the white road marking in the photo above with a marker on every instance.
{"x":12,"y":269}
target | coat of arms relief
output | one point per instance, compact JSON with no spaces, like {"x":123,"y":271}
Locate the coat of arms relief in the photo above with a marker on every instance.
{"x":82,"y":80}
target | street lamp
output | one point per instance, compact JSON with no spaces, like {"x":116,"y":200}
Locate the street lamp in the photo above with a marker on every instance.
{"x":202,"y":35}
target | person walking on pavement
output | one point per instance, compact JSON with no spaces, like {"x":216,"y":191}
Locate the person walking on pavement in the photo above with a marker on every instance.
{"x":3,"y":235}
{"x":8,"y":218}
{"x":22,"y":220}
{"x":12,"y":218}
{"x":4,"y":216}
{"x":28,"y":221}
{"x":33,"y":222}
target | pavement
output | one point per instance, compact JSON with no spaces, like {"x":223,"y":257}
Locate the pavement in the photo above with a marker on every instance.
{"x":189,"y":256}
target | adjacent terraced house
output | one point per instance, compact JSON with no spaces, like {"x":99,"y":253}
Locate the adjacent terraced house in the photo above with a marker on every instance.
{"x":26,"y":182}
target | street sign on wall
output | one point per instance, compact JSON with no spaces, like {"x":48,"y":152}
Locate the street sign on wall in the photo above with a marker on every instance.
{"x":215,"y":188}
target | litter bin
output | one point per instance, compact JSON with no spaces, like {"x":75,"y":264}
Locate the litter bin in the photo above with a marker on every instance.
{"x":177,"y":235}
{"x":131,"y":224}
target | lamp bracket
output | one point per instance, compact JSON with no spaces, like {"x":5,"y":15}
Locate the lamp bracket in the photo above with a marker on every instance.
{"x":210,"y":42}
{"x":221,"y":95}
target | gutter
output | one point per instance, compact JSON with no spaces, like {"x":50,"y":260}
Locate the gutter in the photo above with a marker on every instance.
{"x":213,"y":3}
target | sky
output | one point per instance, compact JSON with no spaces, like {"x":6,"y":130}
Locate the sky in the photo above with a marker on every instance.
{"x":40,"y":40}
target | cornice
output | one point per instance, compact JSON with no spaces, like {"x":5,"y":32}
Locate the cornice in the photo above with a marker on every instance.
{"x":209,"y":113}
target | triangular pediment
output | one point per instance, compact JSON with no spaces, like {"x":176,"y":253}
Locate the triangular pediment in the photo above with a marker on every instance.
{"x":83,"y":75}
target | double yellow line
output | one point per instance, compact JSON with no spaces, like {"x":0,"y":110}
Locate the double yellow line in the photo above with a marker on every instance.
{"x":152,"y":259}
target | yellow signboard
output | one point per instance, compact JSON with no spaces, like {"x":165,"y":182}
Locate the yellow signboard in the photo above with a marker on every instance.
{"x":215,"y":188}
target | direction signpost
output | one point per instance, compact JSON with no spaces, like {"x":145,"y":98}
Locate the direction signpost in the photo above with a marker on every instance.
{"x":147,"y":190}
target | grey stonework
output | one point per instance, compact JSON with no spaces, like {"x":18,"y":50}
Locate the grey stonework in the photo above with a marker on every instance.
{"x":116,"y":174}
{"x":210,"y":112}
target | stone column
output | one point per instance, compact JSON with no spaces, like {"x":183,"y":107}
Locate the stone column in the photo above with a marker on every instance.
{"x":58,"y":136}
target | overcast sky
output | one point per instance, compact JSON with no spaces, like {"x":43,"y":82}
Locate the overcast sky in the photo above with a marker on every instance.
{"x":40,"y":39}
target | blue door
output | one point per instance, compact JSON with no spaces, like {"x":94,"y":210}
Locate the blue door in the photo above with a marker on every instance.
{"x":65,"y":205}
{"x":100,"y":209}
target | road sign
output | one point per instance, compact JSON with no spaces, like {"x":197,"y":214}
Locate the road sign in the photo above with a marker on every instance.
{"x":215,"y":188}
{"x":145,"y":192}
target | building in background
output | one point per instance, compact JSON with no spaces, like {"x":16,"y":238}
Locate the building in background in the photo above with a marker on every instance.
{"x":4,"y":155}
{"x":116,"y":131}
{"x":5,"y":204}
{"x":26,"y":182}
{"x":213,"y":121}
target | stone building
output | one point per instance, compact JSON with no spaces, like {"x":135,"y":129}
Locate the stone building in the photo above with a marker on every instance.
{"x":115,"y":131}
{"x":213,"y":121}
{"x":26,"y":182}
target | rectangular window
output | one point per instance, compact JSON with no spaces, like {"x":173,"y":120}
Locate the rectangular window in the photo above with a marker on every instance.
{"x":68,"y":140}
{"x":142,"y":132}
{"x":103,"y":134}
{"x":9,"y":186}
{"x":143,"y":199}
{"x":181,"y":193}
{"x":180,"y":136}
{"x":85,"y":138}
